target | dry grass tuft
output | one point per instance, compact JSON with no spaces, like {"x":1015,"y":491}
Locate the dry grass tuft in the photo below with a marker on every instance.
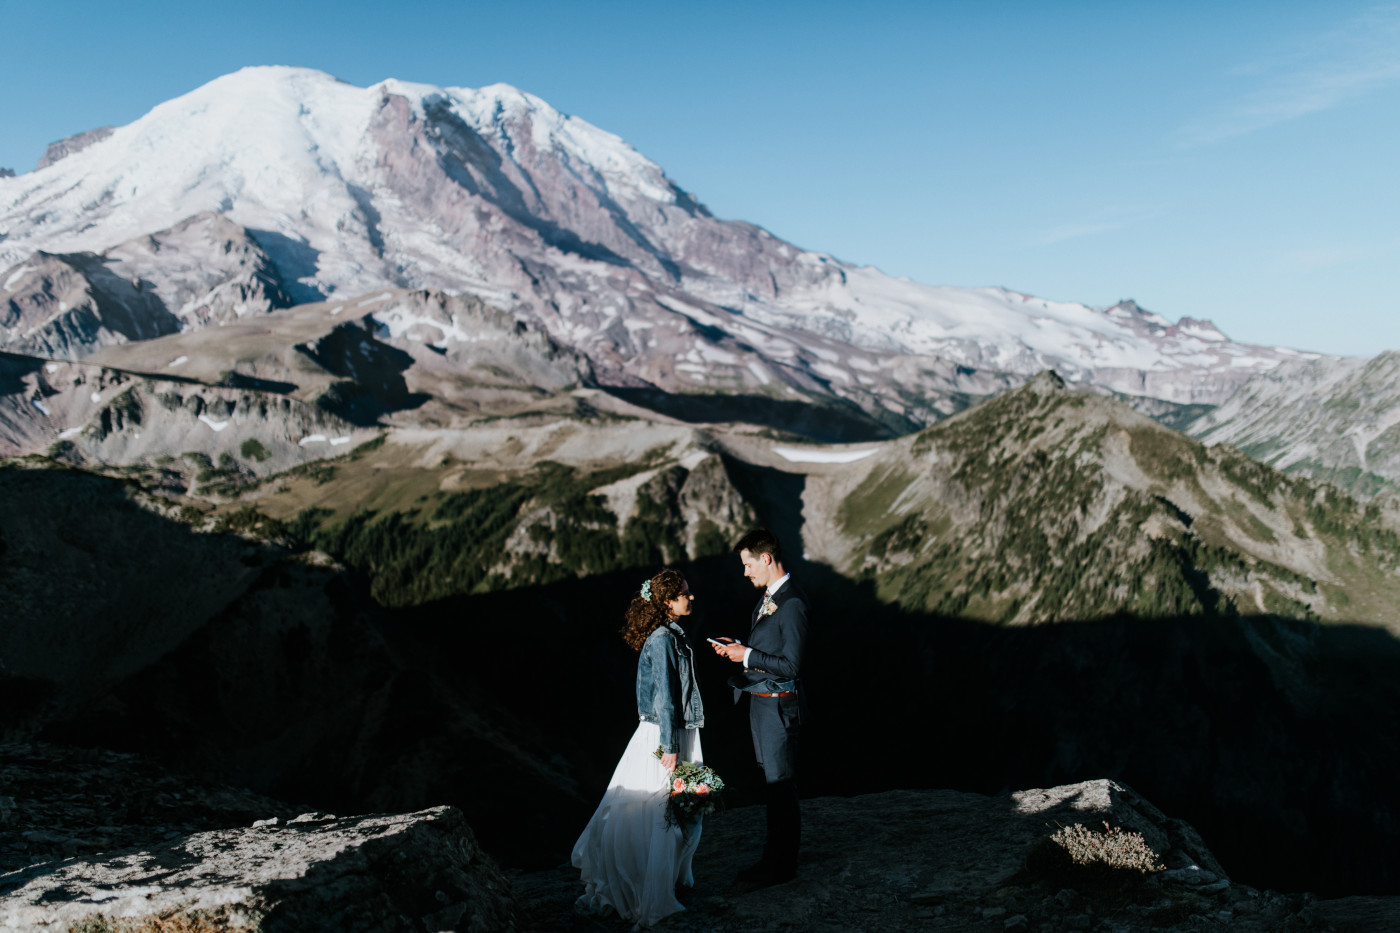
{"x":1077,"y":855}
{"x":196,"y":921}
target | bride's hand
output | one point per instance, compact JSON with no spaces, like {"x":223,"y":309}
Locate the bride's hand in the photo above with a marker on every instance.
{"x":669,"y":761}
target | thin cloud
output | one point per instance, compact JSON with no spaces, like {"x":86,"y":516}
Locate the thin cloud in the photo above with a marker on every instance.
{"x":1360,"y":56}
{"x":1317,"y":258}
{"x":1312,"y":260}
{"x":1072,"y":232}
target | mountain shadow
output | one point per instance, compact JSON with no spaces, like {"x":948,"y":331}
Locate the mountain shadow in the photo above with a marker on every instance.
{"x":294,"y":260}
{"x":371,"y":374}
{"x":829,"y":422}
{"x":1278,"y":740}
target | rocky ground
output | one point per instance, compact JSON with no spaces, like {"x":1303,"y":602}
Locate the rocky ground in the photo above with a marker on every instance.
{"x":944,"y":860}
{"x":58,"y":803}
{"x":98,"y":842}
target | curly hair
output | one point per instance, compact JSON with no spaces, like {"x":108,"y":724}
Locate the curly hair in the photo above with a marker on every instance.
{"x":645,"y":616}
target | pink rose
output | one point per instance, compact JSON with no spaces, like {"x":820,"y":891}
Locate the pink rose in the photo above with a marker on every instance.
{"x":677,"y":786}
{"x":702,"y":788}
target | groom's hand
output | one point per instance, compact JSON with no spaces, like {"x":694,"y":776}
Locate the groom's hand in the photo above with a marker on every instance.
{"x":732,"y":650}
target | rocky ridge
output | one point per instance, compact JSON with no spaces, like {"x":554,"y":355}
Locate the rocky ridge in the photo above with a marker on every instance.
{"x":257,"y":396}
{"x":205,"y":271}
{"x":1336,"y":420}
{"x":63,"y":306}
{"x":1045,"y":503}
{"x":57,"y":151}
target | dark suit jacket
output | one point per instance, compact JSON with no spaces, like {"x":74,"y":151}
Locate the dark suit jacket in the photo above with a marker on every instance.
{"x":779,"y":643}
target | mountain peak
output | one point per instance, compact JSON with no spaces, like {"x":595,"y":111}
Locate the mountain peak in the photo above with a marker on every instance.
{"x":1046,"y":383}
{"x":491,"y":191}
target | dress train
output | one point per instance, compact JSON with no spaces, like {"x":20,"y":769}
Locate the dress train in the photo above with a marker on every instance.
{"x":630,"y":859}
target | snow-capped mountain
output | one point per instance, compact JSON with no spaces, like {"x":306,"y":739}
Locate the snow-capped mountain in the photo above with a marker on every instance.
{"x":346,"y":190}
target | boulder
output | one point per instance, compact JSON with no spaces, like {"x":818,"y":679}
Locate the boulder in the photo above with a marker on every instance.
{"x":416,"y":871}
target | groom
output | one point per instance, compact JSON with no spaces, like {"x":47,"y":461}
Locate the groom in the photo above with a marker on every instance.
{"x":771,"y":681}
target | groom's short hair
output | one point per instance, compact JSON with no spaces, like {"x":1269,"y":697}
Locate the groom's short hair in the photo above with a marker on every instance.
{"x":761,"y":541}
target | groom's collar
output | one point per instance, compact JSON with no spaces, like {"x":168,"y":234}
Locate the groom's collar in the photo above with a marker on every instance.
{"x":774,"y":587}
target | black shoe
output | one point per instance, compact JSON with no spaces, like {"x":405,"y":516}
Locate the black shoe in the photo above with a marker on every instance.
{"x":757,"y":873}
{"x":779,"y":874}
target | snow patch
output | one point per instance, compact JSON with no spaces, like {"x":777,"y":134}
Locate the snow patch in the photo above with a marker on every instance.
{"x":693,"y":459}
{"x":798,"y":455}
{"x":716,"y":355}
{"x":337,"y":441}
{"x":178,"y":361}
{"x":1202,"y":333}
{"x":15,"y":276}
{"x":40,"y":405}
{"x":835,"y":373}
{"x":216,"y":425}
{"x":50,"y":368}
{"x":312,"y":439}
{"x":96,"y":396}
{"x":64,"y":435}
{"x":400,"y":321}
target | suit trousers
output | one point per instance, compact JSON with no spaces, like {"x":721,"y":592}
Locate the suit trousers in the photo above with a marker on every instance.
{"x":775,"y":723}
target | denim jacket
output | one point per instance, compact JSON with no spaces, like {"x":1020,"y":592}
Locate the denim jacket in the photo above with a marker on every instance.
{"x":667,"y":693}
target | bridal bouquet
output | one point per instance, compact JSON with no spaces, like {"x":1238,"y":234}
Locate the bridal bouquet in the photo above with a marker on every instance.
{"x":695,"y":790}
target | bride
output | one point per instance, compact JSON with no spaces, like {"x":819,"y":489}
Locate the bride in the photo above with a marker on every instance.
{"x":630,"y":859}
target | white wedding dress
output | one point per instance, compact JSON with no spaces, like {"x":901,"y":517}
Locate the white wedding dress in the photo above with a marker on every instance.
{"x":630,"y":859}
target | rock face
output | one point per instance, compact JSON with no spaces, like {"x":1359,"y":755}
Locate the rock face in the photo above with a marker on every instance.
{"x":944,"y":860}
{"x":1334,"y":420}
{"x":288,"y":386}
{"x":206,"y":270}
{"x":66,"y":147}
{"x":410,"y":872}
{"x":86,"y":413}
{"x":66,"y":306}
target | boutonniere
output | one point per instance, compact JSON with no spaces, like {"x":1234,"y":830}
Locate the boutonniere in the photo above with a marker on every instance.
{"x":769,"y":607}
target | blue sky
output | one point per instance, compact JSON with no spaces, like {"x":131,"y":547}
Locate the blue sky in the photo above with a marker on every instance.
{"x":1235,"y":162}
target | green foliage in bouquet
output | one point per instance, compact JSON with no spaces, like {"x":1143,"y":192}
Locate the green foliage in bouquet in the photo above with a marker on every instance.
{"x":695,"y":791}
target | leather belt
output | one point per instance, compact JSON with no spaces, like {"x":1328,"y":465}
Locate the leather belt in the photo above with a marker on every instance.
{"x":785,"y":693}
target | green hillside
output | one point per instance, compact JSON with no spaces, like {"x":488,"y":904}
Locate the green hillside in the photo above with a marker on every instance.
{"x":1045,"y":504}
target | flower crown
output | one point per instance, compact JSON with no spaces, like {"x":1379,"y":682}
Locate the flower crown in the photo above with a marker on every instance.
{"x":646,"y":591}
